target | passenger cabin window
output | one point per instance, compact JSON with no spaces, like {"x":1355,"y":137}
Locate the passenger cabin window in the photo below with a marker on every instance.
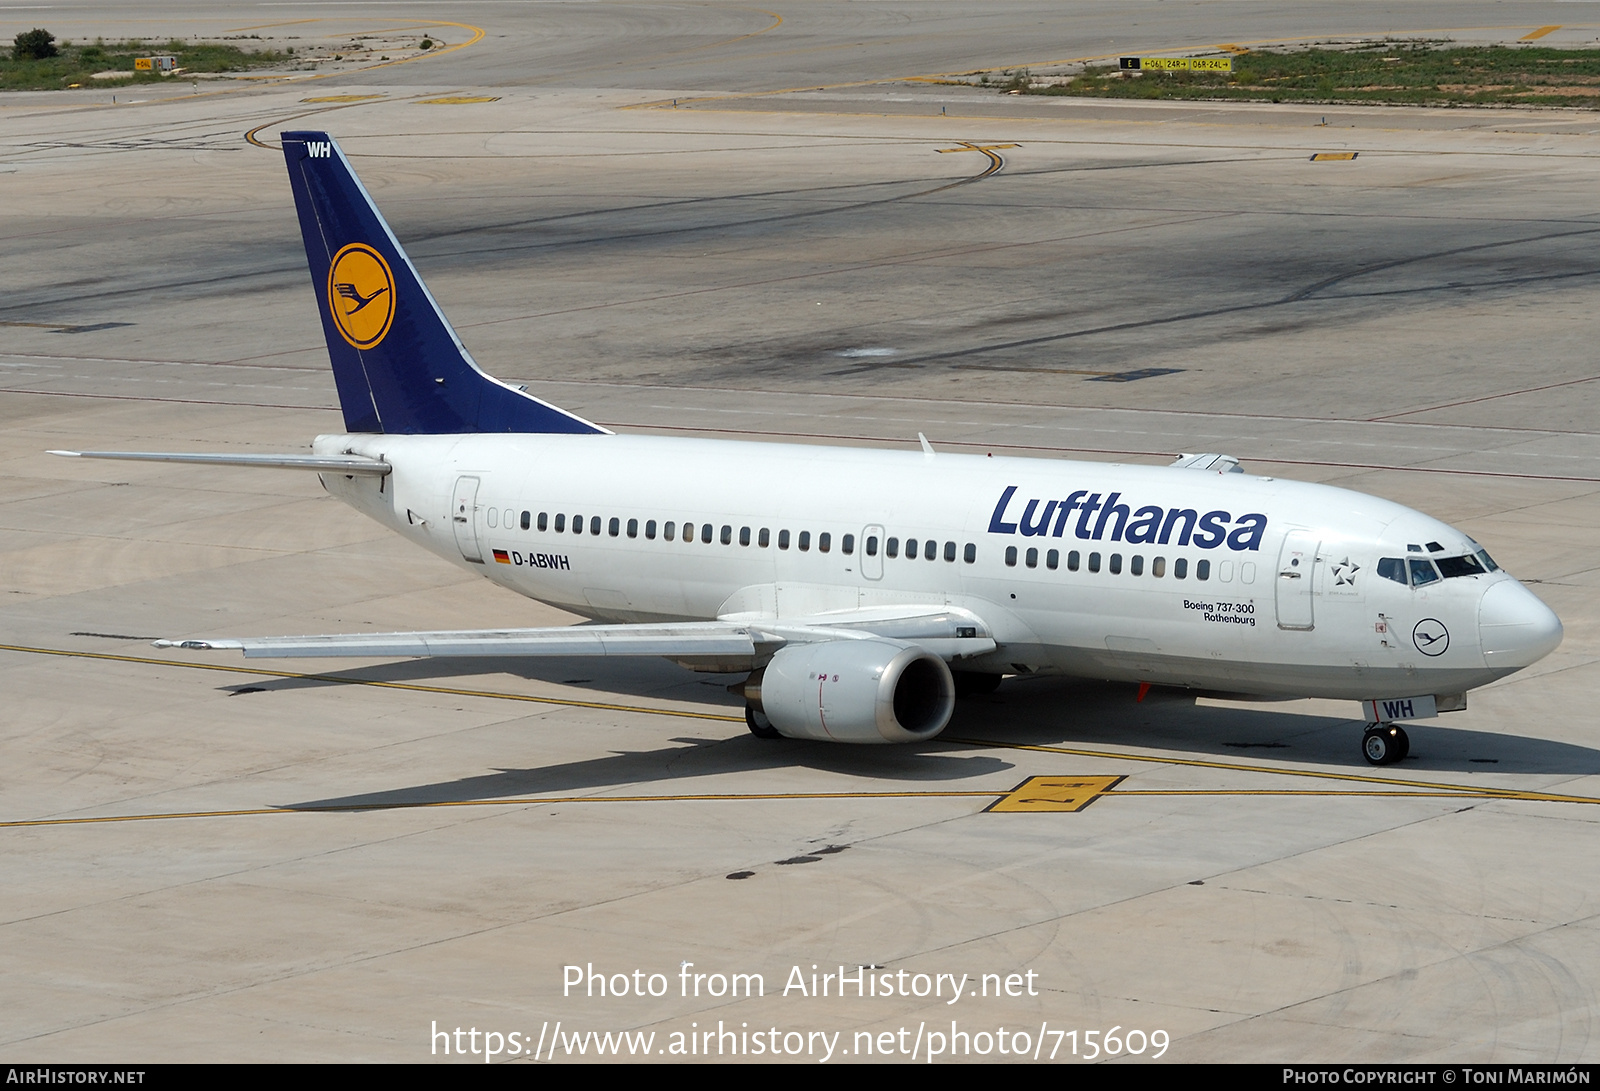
{"x":633,"y":528}
{"x":577,"y":524}
{"x":891,"y":548}
{"x":706,"y":530}
{"x":1052,"y":560}
{"x":1158,"y":567}
{"x":616,"y":526}
{"x":527,"y":519}
{"x":805,"y":540}
{"x":1136,"y":565}
{"x":950,"y":551}
{"x":544,"y":520}
{"x":594,"y":525}
{"x":824,"y":542}
{"x":1094,"y":562}
{"x":1031,"y":558}
{"x":872,"y":545}
{"x":650,"y":529}
{"x":765,"y":539}
{"x":1180,"y":568}
{"x":1202,"y":570}
{"x":783,"y":539}
{"x":494,"y":517}
{"x":847,"y":544}
{"x":744,"y":536}
{"x":1116,"y":564}
{"x":1011,"y":556}
{"x":727,"y":535}
{"x":1072,"y":561}
{"x":561,"y":522}
{"x":971,"y":555}
{"x":911,"y":549}
{"x":930,"y":550}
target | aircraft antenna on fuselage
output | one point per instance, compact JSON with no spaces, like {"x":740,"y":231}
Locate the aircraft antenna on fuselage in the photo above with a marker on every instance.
{"x":399,"y":366}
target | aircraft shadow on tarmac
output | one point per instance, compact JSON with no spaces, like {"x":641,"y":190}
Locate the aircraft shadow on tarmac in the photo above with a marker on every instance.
{"x":1087,"y":715}
{"x":1031,"y":712}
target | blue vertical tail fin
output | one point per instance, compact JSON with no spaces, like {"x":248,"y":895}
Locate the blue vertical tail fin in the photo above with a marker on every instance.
{"x":399,"y":367}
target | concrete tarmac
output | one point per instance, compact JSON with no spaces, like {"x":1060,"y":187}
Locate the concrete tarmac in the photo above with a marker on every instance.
{"x":208,"y":859}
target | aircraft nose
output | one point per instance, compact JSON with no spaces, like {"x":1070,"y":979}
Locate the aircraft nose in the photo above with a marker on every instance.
{"x":1514,"y":627}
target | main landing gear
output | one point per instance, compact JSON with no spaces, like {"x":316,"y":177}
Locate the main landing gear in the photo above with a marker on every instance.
{"x":759,"y":725}
{"x":1384,"y":744}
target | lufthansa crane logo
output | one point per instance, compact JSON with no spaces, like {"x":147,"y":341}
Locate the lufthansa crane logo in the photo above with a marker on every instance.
{"x":1430,"y":636}
{"x":361,"y":295}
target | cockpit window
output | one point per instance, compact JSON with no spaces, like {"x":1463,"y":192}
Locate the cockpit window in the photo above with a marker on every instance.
{"x":1422,"y":572}
{"x":1460,"y":566}
{"x":1488,"y":564}
{"x":1393,"y":568}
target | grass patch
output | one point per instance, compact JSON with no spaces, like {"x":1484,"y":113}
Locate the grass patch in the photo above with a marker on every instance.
{"x":79,"y":63}
{"x":1388,"y":73}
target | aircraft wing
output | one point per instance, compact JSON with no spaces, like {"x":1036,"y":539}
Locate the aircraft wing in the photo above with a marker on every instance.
{"x":947,"y":632}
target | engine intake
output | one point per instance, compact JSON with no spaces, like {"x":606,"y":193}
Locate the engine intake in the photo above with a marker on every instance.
{"x":858,"y":691}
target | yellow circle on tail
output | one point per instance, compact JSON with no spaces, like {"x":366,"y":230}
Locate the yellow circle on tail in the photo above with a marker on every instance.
{"x":361,"y":295}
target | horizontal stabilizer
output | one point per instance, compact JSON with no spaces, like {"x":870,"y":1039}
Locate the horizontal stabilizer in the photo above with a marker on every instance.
{"x":355,"y":465}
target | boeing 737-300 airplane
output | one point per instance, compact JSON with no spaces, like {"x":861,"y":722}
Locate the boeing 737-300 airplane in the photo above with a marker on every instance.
{"x":862,"y":590}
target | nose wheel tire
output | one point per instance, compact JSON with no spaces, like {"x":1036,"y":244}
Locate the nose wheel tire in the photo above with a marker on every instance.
{"x":759,"y":725}
{"x":1385,"y":744}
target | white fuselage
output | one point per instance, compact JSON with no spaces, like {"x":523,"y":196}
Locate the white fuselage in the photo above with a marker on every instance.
{"x":1151,"y":574}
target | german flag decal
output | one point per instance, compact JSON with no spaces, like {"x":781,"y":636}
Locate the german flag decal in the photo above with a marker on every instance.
{"x":502,"y":557}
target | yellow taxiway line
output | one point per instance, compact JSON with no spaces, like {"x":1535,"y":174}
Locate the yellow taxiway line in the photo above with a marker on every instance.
{"x":529,"y":801}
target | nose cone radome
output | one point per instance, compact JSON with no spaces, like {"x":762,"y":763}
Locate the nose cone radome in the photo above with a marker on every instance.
{"x":1515,"y":628}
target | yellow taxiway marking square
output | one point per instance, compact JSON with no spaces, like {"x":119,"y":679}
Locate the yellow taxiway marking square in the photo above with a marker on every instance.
{"x":1054,"y":794}
{"x":1333,"y":157}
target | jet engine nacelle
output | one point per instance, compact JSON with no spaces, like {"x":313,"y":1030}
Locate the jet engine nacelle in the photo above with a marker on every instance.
{"x":861,"y":691}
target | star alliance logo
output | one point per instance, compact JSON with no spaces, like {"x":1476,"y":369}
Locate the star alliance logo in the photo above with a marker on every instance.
{"x":1344,"y":573}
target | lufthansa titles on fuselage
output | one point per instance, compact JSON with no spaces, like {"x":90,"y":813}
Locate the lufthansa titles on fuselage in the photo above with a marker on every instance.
{"x":1098,"y":517}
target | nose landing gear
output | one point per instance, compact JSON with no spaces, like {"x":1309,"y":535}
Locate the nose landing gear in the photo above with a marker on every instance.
{"x":1384,"y":744}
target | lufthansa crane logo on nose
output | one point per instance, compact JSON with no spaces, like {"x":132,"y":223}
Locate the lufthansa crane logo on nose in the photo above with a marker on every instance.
{"x":361,"y":295}
{"x":1430,"y":636}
